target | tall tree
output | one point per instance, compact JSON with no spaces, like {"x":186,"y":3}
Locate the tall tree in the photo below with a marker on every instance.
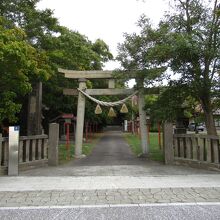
{"x":191,"y":48}
{"x":57,"y":47}
{"x":187,"y":42}
{"x":133,"y":53}
{"x":71,"y":50}
{"x":19,"y":62}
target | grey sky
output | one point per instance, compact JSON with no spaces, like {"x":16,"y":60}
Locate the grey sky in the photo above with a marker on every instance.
{"x":105,"y":19}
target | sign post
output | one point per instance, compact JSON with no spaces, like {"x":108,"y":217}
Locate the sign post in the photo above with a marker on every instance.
{"x":67,"y":125}
{"x":13,"y":150}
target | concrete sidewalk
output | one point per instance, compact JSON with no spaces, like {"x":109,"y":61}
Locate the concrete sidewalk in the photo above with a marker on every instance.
{"x":107,"y":182}
{"x":58,"y":191}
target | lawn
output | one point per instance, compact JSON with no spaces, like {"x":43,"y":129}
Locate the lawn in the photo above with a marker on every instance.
{"x":135,"y":143}
{"x":86,"y":149}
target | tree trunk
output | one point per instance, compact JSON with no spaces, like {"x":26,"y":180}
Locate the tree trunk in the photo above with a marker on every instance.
{"x":209,"y":120}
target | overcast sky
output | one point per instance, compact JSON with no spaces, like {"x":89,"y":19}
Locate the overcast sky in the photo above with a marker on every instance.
{"x":105,"y":19}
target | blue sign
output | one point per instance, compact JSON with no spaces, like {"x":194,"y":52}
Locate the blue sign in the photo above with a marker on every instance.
{"x":16,"y":128}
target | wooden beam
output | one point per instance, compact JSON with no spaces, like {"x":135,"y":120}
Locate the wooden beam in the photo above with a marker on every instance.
{"x":94,"y":74}
{"x":98,"y":92}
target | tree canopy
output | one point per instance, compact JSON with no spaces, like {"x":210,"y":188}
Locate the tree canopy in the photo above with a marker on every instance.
{"x":19,"y":63}
{"x":33,"y":46}
{"x":186,"y":42}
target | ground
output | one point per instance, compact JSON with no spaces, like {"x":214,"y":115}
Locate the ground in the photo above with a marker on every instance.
{"x":111,"y":183}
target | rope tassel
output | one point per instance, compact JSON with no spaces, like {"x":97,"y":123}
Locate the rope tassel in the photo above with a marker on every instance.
{"x":124,"y":109}
{"x":98,"y":110}
{"x":111,"y":112}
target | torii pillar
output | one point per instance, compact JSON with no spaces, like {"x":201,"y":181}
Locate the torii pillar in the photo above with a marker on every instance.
{"x":142,"y":118}
{"x":80,"y":120}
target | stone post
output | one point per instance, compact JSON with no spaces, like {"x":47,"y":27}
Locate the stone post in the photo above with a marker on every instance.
{"x":80,"y":119}
{"x":142,"y":117}
{"x":53,"y":152}
{"x":111,"y":83}
{"x":168,"y":143}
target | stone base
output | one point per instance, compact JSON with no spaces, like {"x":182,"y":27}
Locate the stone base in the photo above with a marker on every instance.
{"x":79,"y":156}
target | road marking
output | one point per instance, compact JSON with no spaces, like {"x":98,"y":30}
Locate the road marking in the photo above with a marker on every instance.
{"x":113,"y":206}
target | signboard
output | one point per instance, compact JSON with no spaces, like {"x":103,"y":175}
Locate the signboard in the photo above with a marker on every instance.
{"x":13,"y":150}
{"x":125,"y":125}
{"x":68,"y":120}
{"x":67,"y":116}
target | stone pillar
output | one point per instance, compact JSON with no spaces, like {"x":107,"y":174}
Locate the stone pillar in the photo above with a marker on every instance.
{"x":80,"y":119}
{"x":111,"y":83}
{"x":143,"y":124}
{"x":34,"y":119}
{"x":168,"y":143}
{"x":53,"y":151}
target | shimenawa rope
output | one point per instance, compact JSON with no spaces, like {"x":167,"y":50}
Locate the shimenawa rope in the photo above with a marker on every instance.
{"x":110,"y":104}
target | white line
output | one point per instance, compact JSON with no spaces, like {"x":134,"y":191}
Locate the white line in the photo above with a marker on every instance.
{"x":113,"y":206}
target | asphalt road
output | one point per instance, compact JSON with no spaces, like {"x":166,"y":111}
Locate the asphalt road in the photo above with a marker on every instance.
{"x":127,"y":212}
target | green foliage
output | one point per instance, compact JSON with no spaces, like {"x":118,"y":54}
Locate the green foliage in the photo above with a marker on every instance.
{"x":133,"y":53}
{"x":193,"y":37}
{"x":71,"y":50}
{"x":172,"y":101}
{"x":86,"y":149}
{"x":63,"y":153}
{"x":186,"y":42}
{"x":32,"y":46}
{"x":37,"y":24}
{"x":102,"y":50}
{"x":8,"y":107}
{"x":154,"y":150}
{"x":19,"y":63}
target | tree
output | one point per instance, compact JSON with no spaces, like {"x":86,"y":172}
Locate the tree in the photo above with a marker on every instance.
{"x":191,"y":42}
{"x":55,"y":46}
{"x":37,"y":24}
{"x":187,"y":43}
{"x":133,"y":54}
{"x":19,"y":61}
{"x":71,"y":50}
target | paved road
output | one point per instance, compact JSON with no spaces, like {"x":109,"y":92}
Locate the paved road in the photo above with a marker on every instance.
{"x":131,"y":212}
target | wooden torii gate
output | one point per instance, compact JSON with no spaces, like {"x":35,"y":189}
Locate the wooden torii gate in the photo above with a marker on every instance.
{"x":82,"y":76}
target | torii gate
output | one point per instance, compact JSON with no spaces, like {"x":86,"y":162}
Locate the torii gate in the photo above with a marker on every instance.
{"x":82,"y":76}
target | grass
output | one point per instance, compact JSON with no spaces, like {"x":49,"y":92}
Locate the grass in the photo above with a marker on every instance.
{"x":86,"y":149}
{"x":135,"y":143}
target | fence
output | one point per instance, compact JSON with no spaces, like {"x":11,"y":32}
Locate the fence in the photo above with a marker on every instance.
{"x":198,"y":150}
{"x":191,"y":149}
{"x":33,"y":151}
